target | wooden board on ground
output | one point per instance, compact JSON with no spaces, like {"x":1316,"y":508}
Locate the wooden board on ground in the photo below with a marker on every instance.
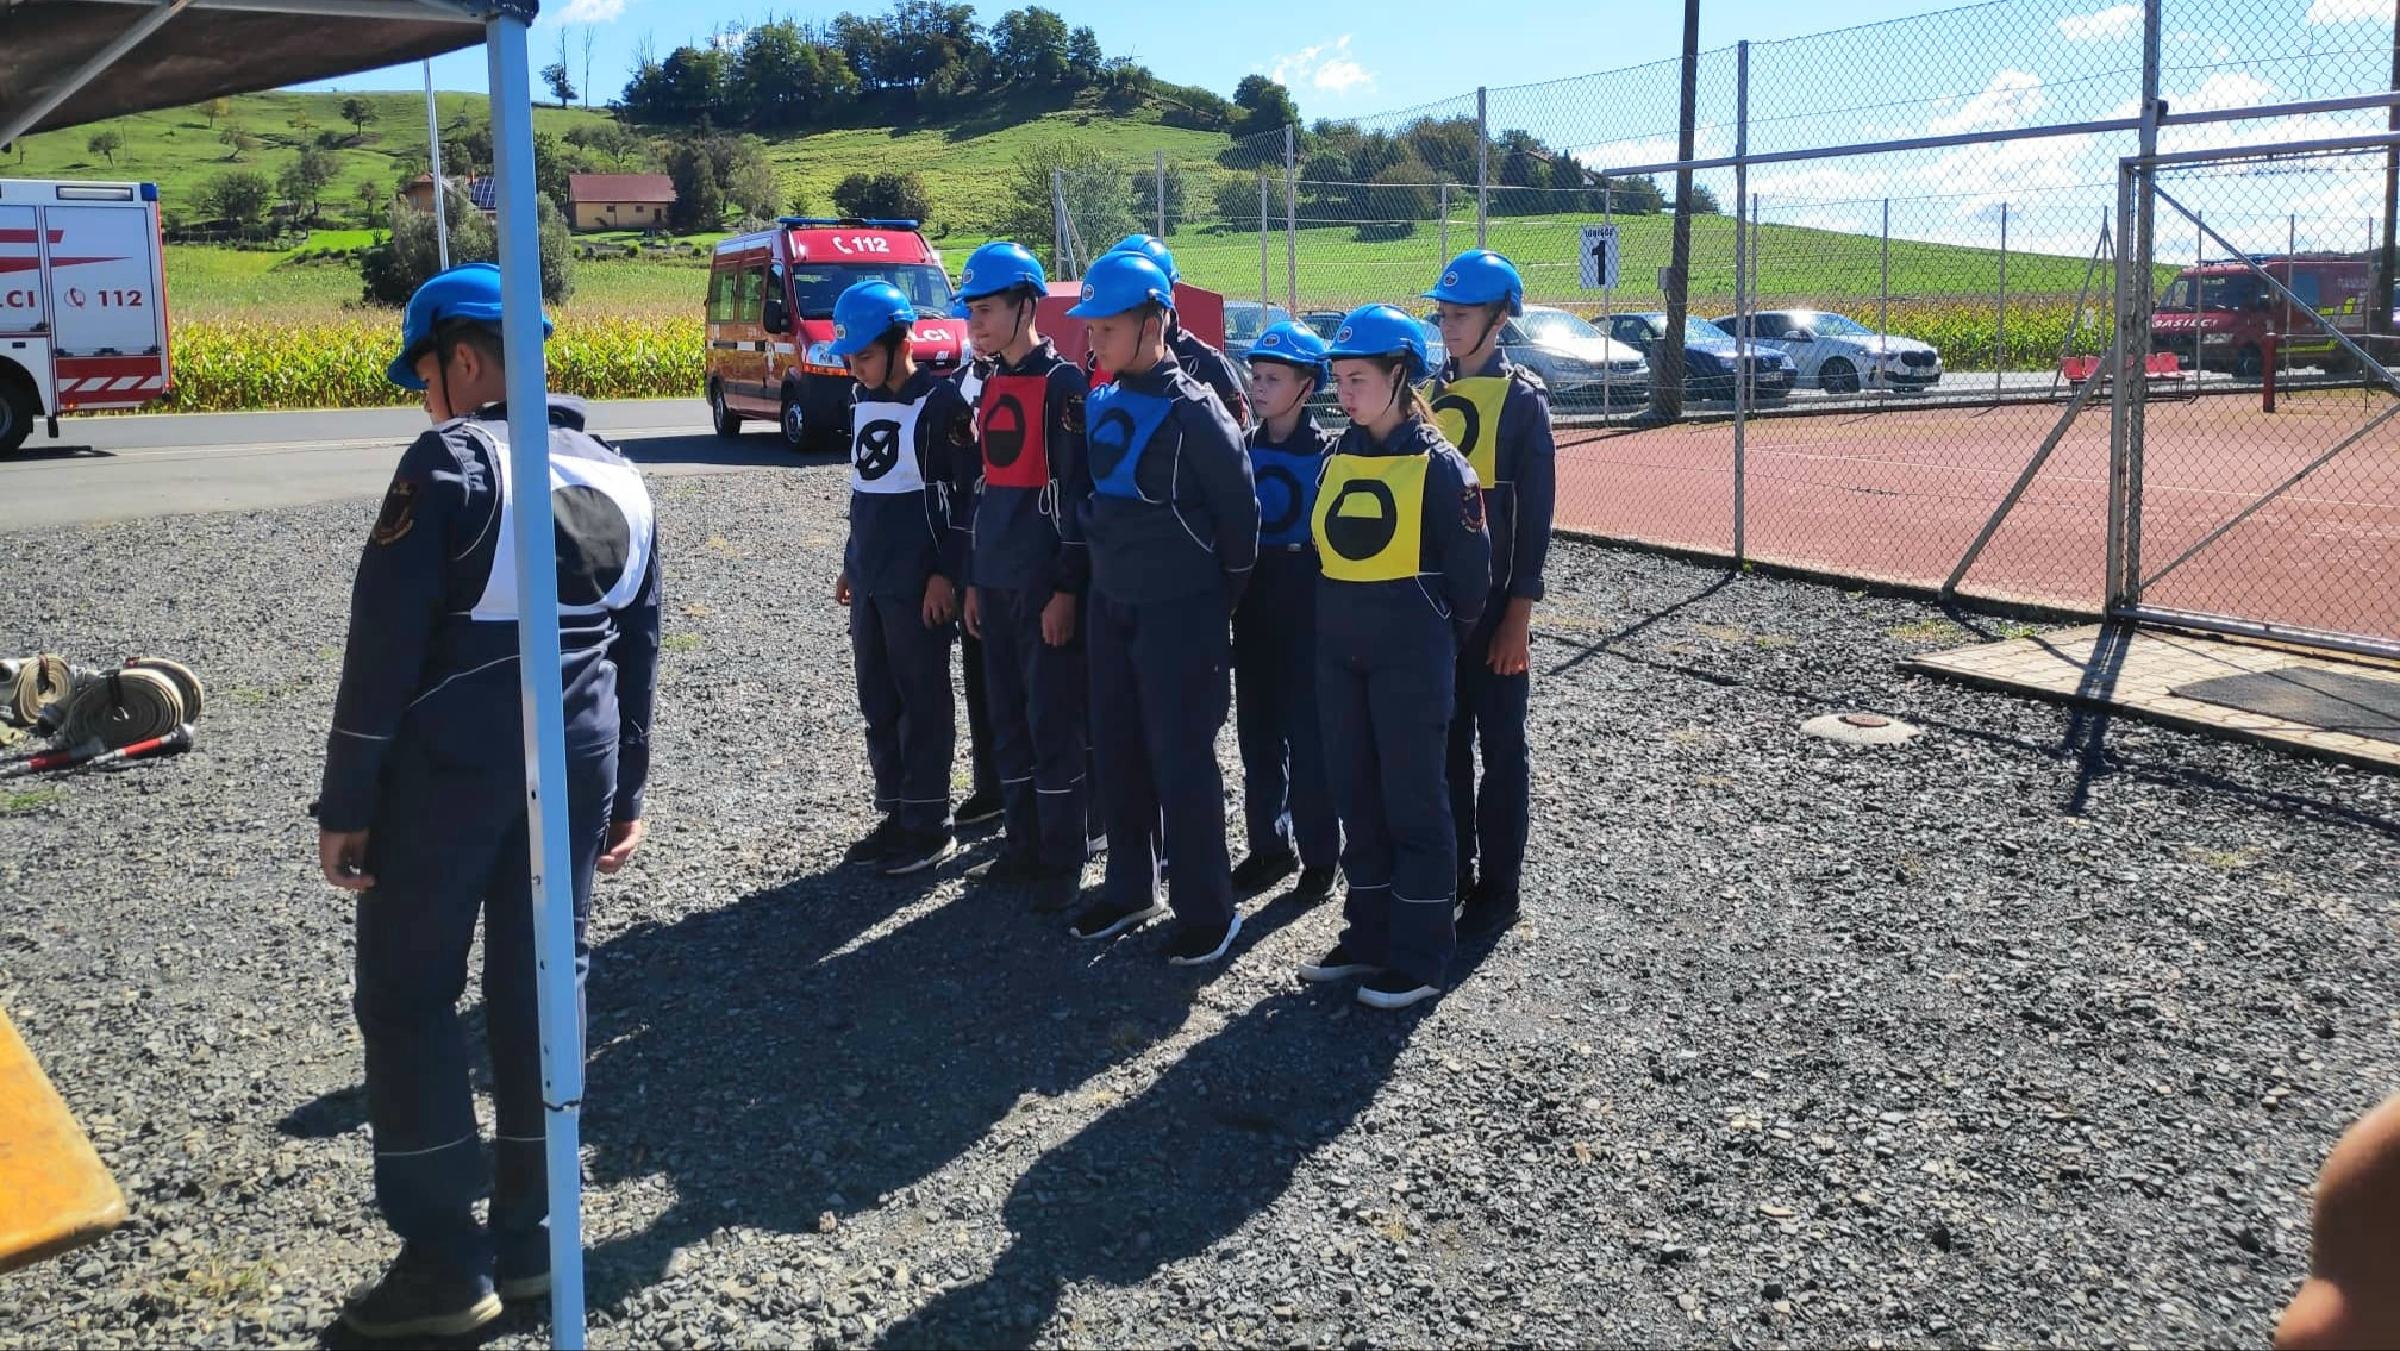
{"x":55,"y":1194}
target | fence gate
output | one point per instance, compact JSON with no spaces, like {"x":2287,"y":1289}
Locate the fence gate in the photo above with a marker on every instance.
{"x":2258,"y":487}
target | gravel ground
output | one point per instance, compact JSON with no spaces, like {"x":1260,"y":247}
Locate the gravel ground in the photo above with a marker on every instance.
{"x":2030,"y":1031}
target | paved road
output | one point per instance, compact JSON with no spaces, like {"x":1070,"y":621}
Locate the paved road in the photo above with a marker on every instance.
{"x":106,"y":469}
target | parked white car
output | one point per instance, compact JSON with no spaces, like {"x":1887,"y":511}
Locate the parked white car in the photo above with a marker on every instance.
{"x":1840,"y":355}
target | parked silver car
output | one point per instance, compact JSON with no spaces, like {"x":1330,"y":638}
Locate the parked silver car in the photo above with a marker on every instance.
{"x":1840,"y":355}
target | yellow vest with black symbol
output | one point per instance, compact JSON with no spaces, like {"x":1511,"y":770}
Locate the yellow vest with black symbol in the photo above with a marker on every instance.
{"x":1468,"y":412}
{"x":1370,"y":517}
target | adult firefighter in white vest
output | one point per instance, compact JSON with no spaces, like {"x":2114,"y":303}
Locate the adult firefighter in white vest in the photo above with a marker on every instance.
{"x":899,"y":573}
{"x":423,"y":804}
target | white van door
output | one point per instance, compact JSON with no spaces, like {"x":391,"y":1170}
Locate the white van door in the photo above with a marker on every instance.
{"x":24,"y":301}
{"x":103,"y":280}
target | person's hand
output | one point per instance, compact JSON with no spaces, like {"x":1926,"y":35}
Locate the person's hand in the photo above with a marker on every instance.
{"x":972,"y":613}
{"x":841,"y":589}
{"x":1512,"y":641}
{"x":941,"y":601}
{"x":1058,"y":620}
{"x":623,"y":838}
{"x":342,"y":856}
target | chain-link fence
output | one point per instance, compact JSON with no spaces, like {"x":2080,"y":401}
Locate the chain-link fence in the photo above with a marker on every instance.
{"x":1878,"y":333}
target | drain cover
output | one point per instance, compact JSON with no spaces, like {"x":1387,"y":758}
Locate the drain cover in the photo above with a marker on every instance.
{"x":1860,"y":729}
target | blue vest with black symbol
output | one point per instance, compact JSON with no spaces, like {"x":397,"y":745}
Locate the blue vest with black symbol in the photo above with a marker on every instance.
{"x":1119,"y":426}
{"x":1287,"y":491}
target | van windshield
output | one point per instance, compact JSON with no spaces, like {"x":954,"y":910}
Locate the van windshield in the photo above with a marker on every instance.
{"x":815,"y":286}
{"x":2223,"y":291}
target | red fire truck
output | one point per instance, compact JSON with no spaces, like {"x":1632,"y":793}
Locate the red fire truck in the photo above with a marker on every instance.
{"x":83,"y":314}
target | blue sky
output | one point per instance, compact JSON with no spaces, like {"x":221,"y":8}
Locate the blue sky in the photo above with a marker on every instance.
{"x":1339,"y":58}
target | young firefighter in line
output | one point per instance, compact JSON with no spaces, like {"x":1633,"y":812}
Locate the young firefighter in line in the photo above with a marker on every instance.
{"x":1399,"y":532}
{"x":1498,"y":415}
{"x":1284,"y":794}
{"x":1173,"y":530}
{"x":423,"y":805}
{"x":897,"y":573}
{"x":1196,"y":356}
{"x":983,"y":801}
{"x":1028,"y":571}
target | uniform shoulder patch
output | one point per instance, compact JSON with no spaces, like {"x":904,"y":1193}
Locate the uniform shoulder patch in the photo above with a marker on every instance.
{"x":1530,"y":379}
{"x":1070,"y":411}
{"x":962,"y":426}
{"x":399,"y":513}
{"x":1470,"y":506}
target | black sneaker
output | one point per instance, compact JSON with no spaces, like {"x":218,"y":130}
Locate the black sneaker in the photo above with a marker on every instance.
{"x":1391,"y":990}
{"x":1006,"y":869}
{"x":1106,"y":919}
{"x":873,"y":846}
{"x":1056,"y":892}
{"x":419,"y":1298}
{"x":981,"y":806}
{"x":1339,"y":964}
{"x":1315,"y":884}
{"x":915,"y":850}
{"x":1261,"y":871}
{"x":1480,"y":918}
{"x":1199,"y":947}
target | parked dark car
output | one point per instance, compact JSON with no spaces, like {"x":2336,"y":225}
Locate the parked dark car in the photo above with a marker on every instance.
{"x":1710,"y":358}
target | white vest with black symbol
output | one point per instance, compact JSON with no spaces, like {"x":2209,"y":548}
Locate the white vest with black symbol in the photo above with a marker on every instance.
{"x":602,"y":513}
{"x":883,"y":448}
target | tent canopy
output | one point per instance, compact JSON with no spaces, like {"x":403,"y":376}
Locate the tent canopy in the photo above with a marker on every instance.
{"x":194,"y":50}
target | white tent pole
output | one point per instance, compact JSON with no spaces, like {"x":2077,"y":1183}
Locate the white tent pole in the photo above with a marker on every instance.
{"x":538,"y":666}
{"x":433,"y":168}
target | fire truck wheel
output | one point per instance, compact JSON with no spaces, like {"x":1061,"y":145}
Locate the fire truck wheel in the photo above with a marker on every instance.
{"x":17,"y":411}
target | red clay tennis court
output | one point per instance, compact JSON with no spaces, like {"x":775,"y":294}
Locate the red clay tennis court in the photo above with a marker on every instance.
{"x":1897,"y":492}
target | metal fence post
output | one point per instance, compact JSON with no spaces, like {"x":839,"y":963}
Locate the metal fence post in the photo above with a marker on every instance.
{"x":1265,"y":296}
{"x":1483,"y":168}
{"x":1291,"y":219}
{"x":1608,"y":295}
{"x":1445,"y":220}
{"x":2137,"y":246}
{"x":1159,"y":184}
{"x":2000,"y":315}
{"x":1883,"y":304}
{"x":1742,"y":372}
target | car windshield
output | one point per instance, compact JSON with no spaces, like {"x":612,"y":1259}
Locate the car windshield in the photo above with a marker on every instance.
{"x":2224,"y":291}
{"x":815,"y":285}
{"x":1243,"y":323}
{"x":1556,"y":326}
{"x":1824,"y":324}
{"x":1701,"y":331}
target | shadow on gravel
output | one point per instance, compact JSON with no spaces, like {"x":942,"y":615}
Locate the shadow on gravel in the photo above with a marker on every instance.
{"x":1214,"y":1141}
{"x":773,"y":1076}
{"x":1585,"y":651}
{"x":761,"y":451}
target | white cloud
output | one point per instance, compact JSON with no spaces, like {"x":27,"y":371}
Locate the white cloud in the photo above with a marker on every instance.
{"x":2348,"y":11}
{"x":2010,"y":100}
{"x":2225,"y":89}
{"x":1327,"y":66}
{"x":2116,"y":21}
{"x":591,"y":11}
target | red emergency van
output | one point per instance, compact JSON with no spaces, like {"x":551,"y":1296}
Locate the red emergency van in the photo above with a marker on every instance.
{"x":83,"y":314}
{"x":770,"y":320}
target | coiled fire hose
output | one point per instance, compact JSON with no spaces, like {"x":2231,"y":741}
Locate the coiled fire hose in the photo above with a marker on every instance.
{"x":142,"y":708}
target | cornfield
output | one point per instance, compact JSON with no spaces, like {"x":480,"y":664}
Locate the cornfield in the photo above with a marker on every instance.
{"x":226,"y":366}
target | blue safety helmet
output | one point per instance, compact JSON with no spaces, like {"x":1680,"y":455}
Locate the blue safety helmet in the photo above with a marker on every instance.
{"x":1292,"y":345}
{"x":1479,"y":277}
{"x":864,"y":312}
{"x":995,"y":269}
{"x":1154,"y":249}
{"x":469,"y":292}
{"x":1119,"y":282}
{"x":1380,"y":331}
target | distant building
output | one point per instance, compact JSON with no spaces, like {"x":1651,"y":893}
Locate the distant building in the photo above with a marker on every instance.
{"x":619,"y":201}
{"x":417,"y":194}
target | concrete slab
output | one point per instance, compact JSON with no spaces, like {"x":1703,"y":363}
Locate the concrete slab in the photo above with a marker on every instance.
{"x":2139,"y":671}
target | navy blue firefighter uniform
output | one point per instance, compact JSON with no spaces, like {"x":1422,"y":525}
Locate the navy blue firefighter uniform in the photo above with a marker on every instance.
{"x":1500,"y":420}
{"x":1027,"y":548}
{"x":427,"y":753}
{"x":901,"y":538}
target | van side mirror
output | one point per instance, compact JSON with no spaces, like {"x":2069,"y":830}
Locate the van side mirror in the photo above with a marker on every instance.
{"x":772,"y":317}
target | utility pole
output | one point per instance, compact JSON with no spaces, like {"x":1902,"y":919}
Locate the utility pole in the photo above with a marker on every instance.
{"x":1666,"y":367}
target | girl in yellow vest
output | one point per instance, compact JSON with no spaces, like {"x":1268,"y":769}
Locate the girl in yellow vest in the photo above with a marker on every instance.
{"x":1404,"y":569}
{"x":1498,"y":415}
